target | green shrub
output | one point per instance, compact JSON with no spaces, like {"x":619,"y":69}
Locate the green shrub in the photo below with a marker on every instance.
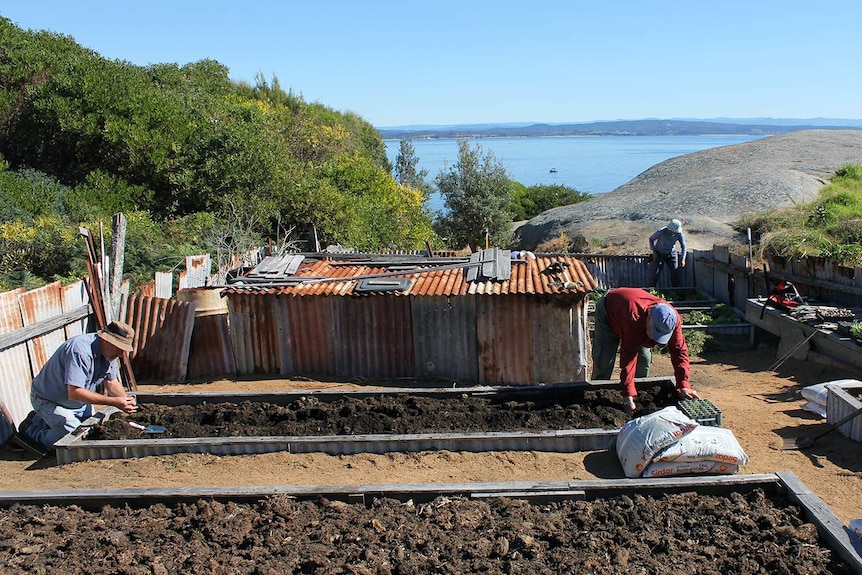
{"x":826,"y":227}
{"x":695,"y":340}
{"x":724,"y":314}
{"x":698,"y":317}
{"x":529,"y":202}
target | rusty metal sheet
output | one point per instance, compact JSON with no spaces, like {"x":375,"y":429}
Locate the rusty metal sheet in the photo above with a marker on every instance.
{"x":444,"y":337}
{"x":210,"y":352}
{"x":307,"y":332}
{"x":444,"y":278}
{"x":255,"y":335}
{"x":163,"y":332}
{"x":74,"y":296}
{"x":560,"y":341}
{"x":197,"y":271}
{"x":373,"y":338}
{"x":503,"y":345}
{"x":15,"y":371}
{"x":36,"y":305}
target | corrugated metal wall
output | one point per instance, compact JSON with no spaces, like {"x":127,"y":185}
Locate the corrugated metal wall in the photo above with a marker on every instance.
{"x":444,"y":337}
{"x":20,"y":363}
{"x":38,"y":304}
{"x":489,"y":339}
{"x":15,"y":377}
{"x":75,"y":296}
{"x":210,"y":352}
{"x":256,"y":334}
{"x":374,"y":337}
{"x":163,"y":332}
{"x":560,"y":342}
{"x":524,"y":341}
{"x":306,"y":327}
{"x":504,"y":340}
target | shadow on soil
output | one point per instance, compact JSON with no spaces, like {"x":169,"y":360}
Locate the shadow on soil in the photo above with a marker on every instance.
{"x":604,"y":465}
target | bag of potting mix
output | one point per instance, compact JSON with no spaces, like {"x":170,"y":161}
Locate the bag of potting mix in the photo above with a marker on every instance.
{"x":814,"y":407}
{"x":705,"y":443}
{"x":818,"y":393}
{"x":639,"y":440}
{"x":668,"y":468}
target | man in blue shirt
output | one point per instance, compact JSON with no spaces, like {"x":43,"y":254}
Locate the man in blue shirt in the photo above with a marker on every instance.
{"x":663,"y":245}
{"x":82,"y":372}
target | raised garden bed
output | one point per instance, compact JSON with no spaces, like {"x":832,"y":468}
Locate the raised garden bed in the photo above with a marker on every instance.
{"x":753,"y":524}
{"x":561,"y":417}
{"x":841,"y":402}
{"x":685,"y":298}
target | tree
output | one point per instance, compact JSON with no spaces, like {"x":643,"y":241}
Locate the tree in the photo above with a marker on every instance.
{"x":476,"y":192}
{"x":406,"y":173}
{"x":374,"y":211}
{"x":83,"y":138}
{"x":529,"y":202}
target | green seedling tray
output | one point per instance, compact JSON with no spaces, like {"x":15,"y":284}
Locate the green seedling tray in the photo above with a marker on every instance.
{"x":702,"y":411}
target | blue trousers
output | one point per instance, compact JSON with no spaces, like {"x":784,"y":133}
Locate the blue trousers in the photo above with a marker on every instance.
{"x":53,"y":421}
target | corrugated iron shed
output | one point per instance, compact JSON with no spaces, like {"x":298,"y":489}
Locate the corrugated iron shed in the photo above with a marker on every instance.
{"x":388,"y":316}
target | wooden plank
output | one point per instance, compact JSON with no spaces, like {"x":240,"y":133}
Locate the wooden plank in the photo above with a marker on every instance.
{"x":43,"y":327}
{"x":73,"y":448}
{"x":96,"y":498}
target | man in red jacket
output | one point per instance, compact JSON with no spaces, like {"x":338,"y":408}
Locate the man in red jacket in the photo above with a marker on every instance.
{"x":632,"y":321}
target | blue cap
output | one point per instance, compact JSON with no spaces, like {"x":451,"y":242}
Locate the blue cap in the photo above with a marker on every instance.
{"x":662,"y":322}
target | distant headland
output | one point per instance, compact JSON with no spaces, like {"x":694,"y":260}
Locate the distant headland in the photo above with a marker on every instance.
{"x":646,"y":127}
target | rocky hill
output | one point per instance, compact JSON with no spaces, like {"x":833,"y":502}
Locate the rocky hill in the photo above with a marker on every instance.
{"x":706,"y":190}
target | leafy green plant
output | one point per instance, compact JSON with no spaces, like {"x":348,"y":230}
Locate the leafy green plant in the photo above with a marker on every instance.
{"x":856,"y":330}
{"x":698,"y":317}
{"x":724,"y":314}
{"x":695,"y":340}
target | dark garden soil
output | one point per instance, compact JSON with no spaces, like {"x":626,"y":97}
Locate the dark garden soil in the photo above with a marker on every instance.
{"x":676,"y":533}
{"x":389,"y":414}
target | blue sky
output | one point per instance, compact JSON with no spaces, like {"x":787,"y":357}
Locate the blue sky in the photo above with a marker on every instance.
{"x":409,"y":62}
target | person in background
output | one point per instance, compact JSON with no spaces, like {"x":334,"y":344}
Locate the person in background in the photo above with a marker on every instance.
{"x":82,"y":372}
{"x":632,"y":321}
{"x":663,"y":245}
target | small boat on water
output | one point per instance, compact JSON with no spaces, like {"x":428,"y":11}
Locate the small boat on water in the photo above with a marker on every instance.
{"x":553,"y":170}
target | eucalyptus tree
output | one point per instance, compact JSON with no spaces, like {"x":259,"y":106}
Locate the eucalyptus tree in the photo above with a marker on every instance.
{"x":406,"y":163}
{"x":476,"y":193}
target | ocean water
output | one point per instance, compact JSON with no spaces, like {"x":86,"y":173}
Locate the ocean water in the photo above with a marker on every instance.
{"x":592,"y":164}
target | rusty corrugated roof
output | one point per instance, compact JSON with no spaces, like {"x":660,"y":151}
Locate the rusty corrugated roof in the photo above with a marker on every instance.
{"x":444,"y":277}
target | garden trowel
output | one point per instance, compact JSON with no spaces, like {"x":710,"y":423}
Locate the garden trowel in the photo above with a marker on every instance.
{"x":146,"y":428}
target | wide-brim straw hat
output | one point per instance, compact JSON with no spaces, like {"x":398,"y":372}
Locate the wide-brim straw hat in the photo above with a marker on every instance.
{"x":119,"y":334}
